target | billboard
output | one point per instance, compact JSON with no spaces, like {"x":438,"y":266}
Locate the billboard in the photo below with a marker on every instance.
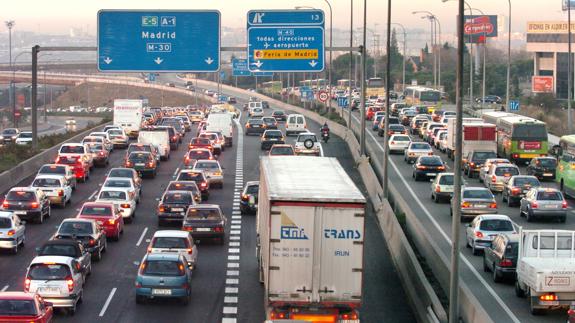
{"x":542,"y":84}
{"x":477,"y":28}
{"x":568,"y":4}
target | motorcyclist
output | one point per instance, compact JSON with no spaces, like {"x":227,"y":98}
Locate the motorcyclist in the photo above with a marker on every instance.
{"x":325,"y":128}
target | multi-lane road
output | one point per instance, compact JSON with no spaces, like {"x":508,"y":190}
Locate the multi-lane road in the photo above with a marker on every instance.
{"x":216,"y":289}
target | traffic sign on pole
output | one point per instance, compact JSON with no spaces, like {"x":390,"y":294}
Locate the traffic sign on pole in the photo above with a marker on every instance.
{"x":162,"y":41}
{"x":286,"y":40}
{"x":514,"y":105}
{"x":240,"y":67}
{"x":323,"y":96}
{"x":342,"y":101}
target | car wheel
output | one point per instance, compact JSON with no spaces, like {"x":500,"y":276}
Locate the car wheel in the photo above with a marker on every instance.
{"x":15,"y":249}
{"x":485,"y":267}
{"x":98,"y":255}
{"x":519,"y":292}
{"x":510,"y":202}
{"x":40,"y":219}
{"x":105,"y":248}
{"x":504,"y":198}
{"x":529,"y":216}
{"x":63,"y":204}
{"x":562,"y":219}
{"x":533,"y":310}
{"x":117,"y":236}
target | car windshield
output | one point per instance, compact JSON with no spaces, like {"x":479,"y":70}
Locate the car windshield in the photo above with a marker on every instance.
{"x":17,"y":307}
{"x":526,"y":181}
{"x":496,"y":225}
{"x":304,"y":137}
{"x":52,"y":170}
{"x":121,"y":173}
{"x":139,"y":148}
{"x":199,"y":154}
{"x":547,"y":162}
{"x":282,"y":151}
{"x":477,"y":194}
{"x":273,"y":134}
{"x":203,"y":214}
{"x":430,"y":161}
{"x":139,"y":157}
{"x":205,"y":165}
{"x":112,"y":195}
{"x":75,"y":228}
{"x":20,"y":196}
{"x":484,"y":155}
{"x":252,"y":189}
{"x":117,"y":183}
{"x":255,"y":121}
{"x":177,"y":198}
{"x":72,"y":150}
{"x":446,"y":180}
{"x":190,"y":176}
{"x":48,"y":272}
{"x":549,"y":196}
{"x":96,"y":210}
{"x":422,"y":146}
{"x":5,"y":223}
{"x":25,"y":135}
{"x":163,"y":268}
{"x":115,"y":132}
{"x":46,"y":182}
{"x":58,"y":250}
{"x":170,"y":243}
{"x":506,"y":171}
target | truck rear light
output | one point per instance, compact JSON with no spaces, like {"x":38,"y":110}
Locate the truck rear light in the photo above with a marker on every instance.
{"x":70,"y":283}
{"x":564,"y":204}
{"x":548,"y":297}
{"x":27,"y":284}
{"x":278,"y":315}
{"x":493,"y":205}
{"x":350,"y":316}
{"x":505,"y":263}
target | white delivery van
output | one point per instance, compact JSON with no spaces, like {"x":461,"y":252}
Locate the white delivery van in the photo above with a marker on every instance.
{"x":128,"y":115}
{"x":159,"y":137}
{"x":222,"y":122}
{"x":295,"y":123}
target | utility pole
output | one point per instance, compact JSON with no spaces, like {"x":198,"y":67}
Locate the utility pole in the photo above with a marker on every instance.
{"x":351,"y":58}
{"x":387,"y":110}
{"x":569,"y":67}
{"x":10,"y":24}
{"x":362,"y":80}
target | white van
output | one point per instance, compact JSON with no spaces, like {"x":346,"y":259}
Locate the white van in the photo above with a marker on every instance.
{"x":295,"y":124}
{"x":223,"y":123}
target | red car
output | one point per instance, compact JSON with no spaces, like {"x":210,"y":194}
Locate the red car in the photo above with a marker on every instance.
{"x":24,"y":307}
{"x":201,"y":143}
{"x":107,"y":215}
{"x":369,"y":113}
{"x":80,"y":167}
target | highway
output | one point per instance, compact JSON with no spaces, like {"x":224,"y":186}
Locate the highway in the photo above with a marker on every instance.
{"x":216,"y":288}
{"x":498,"y":299}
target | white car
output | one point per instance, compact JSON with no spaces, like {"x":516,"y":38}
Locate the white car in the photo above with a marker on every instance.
{"x":398,"y":143}
{"x":96,"y":140}
{"x":75,"y":150}
{"x":24,"y":138}
{"x":212,"y":170}
{"x":107,"y":139}
{"x":175,"y":241}
{"x":56,"y":188}
{"x":485,"y":168}
{"x":12,"y":231}
{"x":125,"y":183}
{"x":118,"y":137}
{"x":441,"y":134}
{"x":307,"y":144}
{"x":122,"y":197}
{"x":415,"y":150}
{"x":256,"y":112}
{"x":483,"y":228}
{"x":62,"y":170}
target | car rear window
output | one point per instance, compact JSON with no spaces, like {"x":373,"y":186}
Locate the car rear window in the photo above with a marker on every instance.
{"x":524,"y":181}
{"x":420,"y":146}
{"x":396,"y":127}
{"x":255,"y":121}
{"x":302,"y":138}
{"x":52,"y":170}
{"x":204,"y":214}
{"x":484,"y":155}
{"x":5,"y":223}
{"x":496,"y":225}
{"x":446,"y":180}
{"x":547,"y":162}
{"x":115,"y":132}
{"x":190,"y":176}
{"x":17,"y":307}
{"x":190,"y":186}
{"x":512,"y":250}
{"x":548,"y":242}
{"x":209,"y":136}
{"x":549,"y":196}
{"x":121,"y":173}
{"x":501,"y":171}
{"x":177,"y":198}
{"x":134,"y":148}
{"x":430,"y":161}
{"x":78,"y":228}
{"x":282,"y":151}
{"x":163,"y":268}
{"x":252,"y":189}
{"x":477,"y":194}
{"x":72,"y":150}
{"x":401,"y":138}
{"x":117,"y":183}
{"x":96,"y":210}
{"x":46,"y":182}
{"x":49,"y":272}
{"x":199,"y":154}
{"x":205,"y":165}
{"x":95,"y":148}
{"x":170,"y":242}
{"x":201,"y":141}
{"x":58,"y":250}
{"x":274,"y":134}
{"x":68,"y":160}
{"x":20,"y":196}
{"x":139,"y":157}
{"x":112,"y":195}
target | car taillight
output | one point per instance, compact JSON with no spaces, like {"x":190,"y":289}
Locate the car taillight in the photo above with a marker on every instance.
{"x":219,"y":229}
{"x":350,"y":316}
{"x":151,"y":164}
{"x":138,"y":285}
{"x":5,"y":204}
{"x":204,"y":185}
{"x":534,"y":205}
{"x":112,"y":221}
{"x":430,"y":153}
{"x":278,"y":315}
{"x":493,"y":205}
{"x":465,"y":205}
{"x":161,"y":208}
{"x":174,"y":137}
{"x":479,"y":234}
{"x":548,"y":297}
{"x":472,"y":164}
{"x":187,"y":228}
{"x":27,"y":284}
{"x":421,"y":167}
{"x":493,"y":179}
{"x":505,"y":263}
{"x":101,"y":153}
{"x":34,"y":205}
{"x":11,"y":232}
{"x":125,"y":205}
{"x":128,"y":163}
{"x":190,"y":251}
{"x":70,"y":283}
{"x":437,"y":188}
{"x":441,"y":167}
{"x":515,"y":156}
{"x":515,"y":191}
{"x":248,"y":125}
{"x":60,"y":192}
{"x":92,"y":242}
{"x":245,"y":197}
{"x":393,"y":142}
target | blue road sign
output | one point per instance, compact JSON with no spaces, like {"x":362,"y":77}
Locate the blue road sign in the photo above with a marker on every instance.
{"x":342,"y":101}
{"x":263,"y":73}
{"x":151,"y":77}
{"x":306,"y":93}
{"x":286,"y":40}
{"x":161,"y":41}
{"x":514,"y":105}
{"x":222,"y":75}
{"x":240,"y":67}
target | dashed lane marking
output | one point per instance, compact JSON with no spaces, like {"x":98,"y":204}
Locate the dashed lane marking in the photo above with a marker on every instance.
{"x":142,"y":237}
{"x":103,"y":311}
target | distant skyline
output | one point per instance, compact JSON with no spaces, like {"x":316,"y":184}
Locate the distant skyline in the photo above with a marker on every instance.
{"x":48,"y":16}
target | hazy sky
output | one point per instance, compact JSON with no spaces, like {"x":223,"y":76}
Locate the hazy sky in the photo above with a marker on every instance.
{"x":58,"y":16}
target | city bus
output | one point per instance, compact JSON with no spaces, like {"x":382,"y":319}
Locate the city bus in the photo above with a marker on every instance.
{"x":565,"y":174}
{"x":521,"y":138}
{"x":375,"y":88}
{"x":419,"y":95}
{"x":344,"y":84}
{"x":305,"y":83}
{"x":318,"y":84}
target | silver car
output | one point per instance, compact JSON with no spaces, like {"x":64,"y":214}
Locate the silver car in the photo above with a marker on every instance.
{"x":212,"y":170}
{"x":12,"y":232}
{"x":490,"y":161}
{"x":416,"y":149}
{"x":498,"y":175}
{"x":481,"y":231}
{"x":476,"y":201}
{"x":543,"y":202}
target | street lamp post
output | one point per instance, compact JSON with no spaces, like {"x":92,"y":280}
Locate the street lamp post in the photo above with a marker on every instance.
{"x":484,"y":55}
{"x":405,"y":53}
{"x":509,"y":54}
{"x":569,"y":67}
{"x":387,"y":108}
{"x":362,"y":80}
{"x":10,"y":24}
{"x":435,"y":35}
{"x":351,"y":57}
{"x":330,"y":52}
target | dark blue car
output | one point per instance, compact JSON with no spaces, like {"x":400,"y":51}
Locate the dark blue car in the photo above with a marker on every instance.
{"x":163,"y":276}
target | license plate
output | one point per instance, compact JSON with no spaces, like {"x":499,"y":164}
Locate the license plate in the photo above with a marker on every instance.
{"x":273,"y":139}
{"x":431,"y":174}
{"x":548,"y":174}
{"x":480,"y":206}
{"x":256,"y":126}
{"x":49,"y":290}
{"x":140,"y":165}
{"x":161,"y":291}
{"x":203,"y":229}
{"x":551,"y":206}
{"x":19,"y":212}
{"x":177,"y":209}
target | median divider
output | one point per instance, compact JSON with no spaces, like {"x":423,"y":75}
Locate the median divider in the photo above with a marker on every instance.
{"x":30,"y":166}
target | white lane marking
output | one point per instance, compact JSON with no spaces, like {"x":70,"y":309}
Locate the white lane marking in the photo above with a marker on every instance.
{"x":235,"y":232}
{"x":103,"y":311}
{"x":5,"y":288}
{"x":236,"y":217}
{"x":93,"y":194}
{"x":234,"y":244}
{"x":234,"y":250}
{"x":231,"y":290}
{"x":233,"y":273}
{"x":233,"y":265}
{"x":236,"y":238}
{"x":229,"y":320}
{"x":232,"y":281}
{"x":234,"y":257}
{"x":446,"y":237}
{"x":142,"y":237}
{"x":230,"y":299}
{"x":176,"y":171}
{"x":230,"y":310}
{"x":237,"y":221}
{"x":236,"y":227}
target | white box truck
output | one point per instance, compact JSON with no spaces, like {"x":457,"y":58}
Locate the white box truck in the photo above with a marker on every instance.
{"x":159,"y":137}
{"x":546,"y":269}
{"x":310,"y":225}
{"x":222,"y":122}
{"x":476,"y":135}
{"x":128,"y":115}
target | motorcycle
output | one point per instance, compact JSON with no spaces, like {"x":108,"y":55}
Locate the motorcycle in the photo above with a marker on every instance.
{"x":325,"y":135}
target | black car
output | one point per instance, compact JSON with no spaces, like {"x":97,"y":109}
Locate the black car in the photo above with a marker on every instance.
{"x":249,"y":199}
{"x":500,"y":257}
{"x":199,"y":177}
{"x":232,"y":100}
{"x":270,"y":122}
{"x":255,"y":126}
{"x":205,"y":221}
{"x":489,"y":99}
{"x":427,"y":167}
{"x":279,"y":115}
{"x":173,"y":206}
{"x":271,"y":137}
{"x":515,"y":189}
{"x":186,"y":186}
{"x":68,"y":248}
{"x":265,"y":104}
{"x":28,"y":203}
{"x":543,"y":167}
{"x":143,"y":163}
{"x":473,"y":162}
{"x":87,"y":232}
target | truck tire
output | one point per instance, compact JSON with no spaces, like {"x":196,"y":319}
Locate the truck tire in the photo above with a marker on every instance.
{"x":519,"y":292}
{"x":532,"y":309}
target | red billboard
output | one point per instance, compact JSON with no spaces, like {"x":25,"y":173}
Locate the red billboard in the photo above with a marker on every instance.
{"x":478,"y":28}
{"x":542,"y":84}
{"x":20,"y":100}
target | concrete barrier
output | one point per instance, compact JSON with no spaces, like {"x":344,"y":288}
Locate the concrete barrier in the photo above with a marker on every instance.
{"x":30,"y":166}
